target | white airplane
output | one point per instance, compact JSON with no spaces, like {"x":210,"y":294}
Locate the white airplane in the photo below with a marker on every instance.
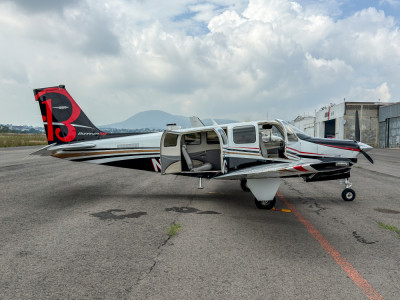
{"x":258,"y":153}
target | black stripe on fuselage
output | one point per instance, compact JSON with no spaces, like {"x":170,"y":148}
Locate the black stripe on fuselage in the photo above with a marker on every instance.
{"x":326,"y":159}
{"x":144,"y":164}
{"x":351,"y":145}
{"x":118,"y":149}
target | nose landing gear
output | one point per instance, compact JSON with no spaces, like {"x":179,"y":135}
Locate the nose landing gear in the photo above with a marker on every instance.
{"x":348,"y":194}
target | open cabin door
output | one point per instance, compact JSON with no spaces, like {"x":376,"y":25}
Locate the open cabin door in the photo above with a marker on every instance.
{"x":170,"y":153}
{"x":273,"y":139}
{"x":192,"y":152}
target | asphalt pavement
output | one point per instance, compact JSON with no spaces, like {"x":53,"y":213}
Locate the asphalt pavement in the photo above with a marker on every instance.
{"x":81,"y":231}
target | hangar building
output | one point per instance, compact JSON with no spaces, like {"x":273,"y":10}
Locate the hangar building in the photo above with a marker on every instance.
{"x":389,"y":126}
{"x":338,"y":121}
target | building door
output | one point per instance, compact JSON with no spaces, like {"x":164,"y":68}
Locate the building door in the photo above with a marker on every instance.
{"x":330,"y":128}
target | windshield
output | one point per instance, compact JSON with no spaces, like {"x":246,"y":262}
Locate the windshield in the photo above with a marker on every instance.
{"x":293,"y":132}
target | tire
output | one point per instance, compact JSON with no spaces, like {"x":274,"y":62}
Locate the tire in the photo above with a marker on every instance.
{"x":348,"y":194}
{"x":243,"y":185}
{"x":265,"y":204}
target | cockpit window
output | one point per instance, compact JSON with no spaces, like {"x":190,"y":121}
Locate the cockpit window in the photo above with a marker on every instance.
{"x":291,"y":133}
{"x":300,"y":134}
{"x":291,"y":136}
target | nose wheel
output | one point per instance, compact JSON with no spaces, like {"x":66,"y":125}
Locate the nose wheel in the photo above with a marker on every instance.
{"x":348,"y":194}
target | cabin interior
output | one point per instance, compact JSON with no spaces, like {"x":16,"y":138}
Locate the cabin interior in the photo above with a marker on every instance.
{"x":201,"y":152}
{"x":271,"y":140}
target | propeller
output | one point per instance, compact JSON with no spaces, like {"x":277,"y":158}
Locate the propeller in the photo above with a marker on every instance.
{"x":357,"y":128}
{"x":358,"y":137}
{"x":367,"y":156}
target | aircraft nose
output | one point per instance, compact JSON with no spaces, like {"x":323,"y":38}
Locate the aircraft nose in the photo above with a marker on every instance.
{"x":364,"y":147}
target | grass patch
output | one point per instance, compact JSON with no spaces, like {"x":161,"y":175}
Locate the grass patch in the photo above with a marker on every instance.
{"x":174,"y":229}
{"x":21,"y":139}
{"x":390,"y":227}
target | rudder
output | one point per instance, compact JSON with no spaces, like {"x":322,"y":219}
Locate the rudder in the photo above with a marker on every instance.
{"x":63,"y":119}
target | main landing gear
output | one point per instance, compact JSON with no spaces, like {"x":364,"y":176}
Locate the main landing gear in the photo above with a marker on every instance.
{"x":259,"y":204}
{"x":243,"y":185}
{"x":348,"y":194}
{"x":265,"y":204}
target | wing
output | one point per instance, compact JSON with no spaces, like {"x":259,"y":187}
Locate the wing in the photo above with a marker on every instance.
{"x":286,"y":169}
{"x":196,"y":122}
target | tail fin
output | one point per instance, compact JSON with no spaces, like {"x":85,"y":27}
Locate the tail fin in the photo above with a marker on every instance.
{"x":63,"y":119}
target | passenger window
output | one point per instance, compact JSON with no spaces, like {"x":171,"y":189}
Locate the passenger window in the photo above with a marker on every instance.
{"x":170,"y":140}
{"x":212,"y":137}
{"x":193,"y":138}
{"x":244,"y":135}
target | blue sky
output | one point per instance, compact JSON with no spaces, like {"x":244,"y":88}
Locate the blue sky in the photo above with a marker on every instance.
{"x":345,"y":8}
{"x":221,"y":59}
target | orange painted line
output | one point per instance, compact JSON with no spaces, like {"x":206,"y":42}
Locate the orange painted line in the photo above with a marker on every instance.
{"x":354,"y":275}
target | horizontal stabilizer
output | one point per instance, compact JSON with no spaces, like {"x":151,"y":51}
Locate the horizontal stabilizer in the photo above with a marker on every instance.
{"x":77,"y":146}
{"x":50,"y":149}
{"x":43,"y":151}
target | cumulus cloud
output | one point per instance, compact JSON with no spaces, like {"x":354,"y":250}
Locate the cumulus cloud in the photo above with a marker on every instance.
{"x":379,"y":94}
{"x":236,"y":59}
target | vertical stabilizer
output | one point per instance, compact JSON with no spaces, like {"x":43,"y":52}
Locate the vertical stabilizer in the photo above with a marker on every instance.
{"x":63,"y":119}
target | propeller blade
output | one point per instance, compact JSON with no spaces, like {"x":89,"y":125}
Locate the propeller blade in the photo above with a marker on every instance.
{"x":367,"y":156}
{"x":357,"y":128}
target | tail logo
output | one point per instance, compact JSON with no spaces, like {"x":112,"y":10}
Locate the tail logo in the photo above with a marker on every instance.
{"x":49,"y":114}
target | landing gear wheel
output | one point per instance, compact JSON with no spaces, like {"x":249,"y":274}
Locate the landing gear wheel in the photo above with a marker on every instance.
{"x":348,"y":194}
{"x":243,"y":185}
{"x":265,"y":204}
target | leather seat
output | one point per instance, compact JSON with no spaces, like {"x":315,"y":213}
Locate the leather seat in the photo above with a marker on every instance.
{"x":204,"y":167}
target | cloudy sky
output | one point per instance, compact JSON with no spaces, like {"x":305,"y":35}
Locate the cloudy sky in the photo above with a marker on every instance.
{"x":220,"y":58}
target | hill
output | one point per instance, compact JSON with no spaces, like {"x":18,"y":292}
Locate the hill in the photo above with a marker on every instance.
{"x":157,"y":119}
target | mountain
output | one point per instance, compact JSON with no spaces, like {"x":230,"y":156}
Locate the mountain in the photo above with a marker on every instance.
{"x":157,"y":119}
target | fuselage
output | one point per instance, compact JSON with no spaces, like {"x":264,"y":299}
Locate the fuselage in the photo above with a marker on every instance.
{"x":227,"y":147}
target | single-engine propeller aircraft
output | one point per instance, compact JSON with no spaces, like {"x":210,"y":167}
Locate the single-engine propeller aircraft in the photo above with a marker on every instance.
{"x":258,"y":153}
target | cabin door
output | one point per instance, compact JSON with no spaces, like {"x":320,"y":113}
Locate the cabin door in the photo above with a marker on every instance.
{"x":170,"y":153}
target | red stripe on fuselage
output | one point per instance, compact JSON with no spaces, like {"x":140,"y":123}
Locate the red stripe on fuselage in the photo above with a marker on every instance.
{"x":344,"y":148}
{"x":300,"y":168}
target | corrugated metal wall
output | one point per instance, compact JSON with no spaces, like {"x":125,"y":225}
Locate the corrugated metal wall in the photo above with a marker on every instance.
{"x":390,"y":111}
{"x":389,"y":126}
